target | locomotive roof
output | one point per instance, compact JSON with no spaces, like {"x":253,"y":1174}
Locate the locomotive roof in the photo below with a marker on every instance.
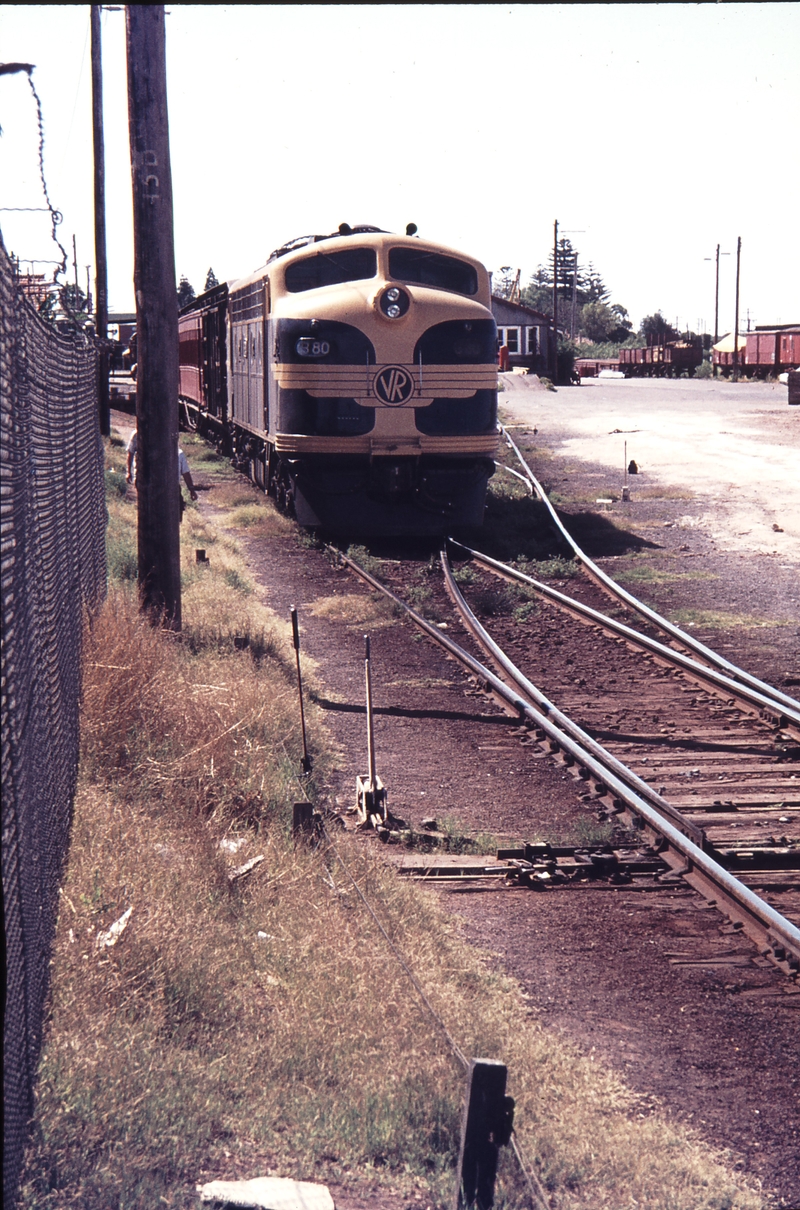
{"x":373,"y":237}
{"x":302,"y":241}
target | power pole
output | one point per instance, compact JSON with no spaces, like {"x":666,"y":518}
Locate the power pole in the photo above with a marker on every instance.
{"x":716,"y":303}
{"x":157,"y":479}
{"x":555,"y":301}
{"x":736,"y":322}
{"x":101,"y":275}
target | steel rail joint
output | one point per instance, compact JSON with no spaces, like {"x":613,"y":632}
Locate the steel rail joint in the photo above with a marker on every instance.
{"x":765,"y":923}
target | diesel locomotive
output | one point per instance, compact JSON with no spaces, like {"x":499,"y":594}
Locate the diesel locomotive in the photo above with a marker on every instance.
{"x":354,"y":377}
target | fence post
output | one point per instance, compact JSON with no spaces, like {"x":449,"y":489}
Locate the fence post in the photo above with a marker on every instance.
{"x":485,"y":1127}
{"x":302,"y":820}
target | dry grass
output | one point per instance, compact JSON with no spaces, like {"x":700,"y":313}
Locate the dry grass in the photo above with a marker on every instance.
{"x":653,"y":575}
{"x":355,"y":609}
{"x":719,"y":619}
{"x":262,"y":1025}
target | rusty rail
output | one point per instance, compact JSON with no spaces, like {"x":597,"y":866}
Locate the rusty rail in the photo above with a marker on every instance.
{"x":781,"y":700}
{"x":775,"y":936}
{"x":710,"y":678}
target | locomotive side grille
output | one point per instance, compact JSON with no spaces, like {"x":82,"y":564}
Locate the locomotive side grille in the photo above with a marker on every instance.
{"x":248,"y":303}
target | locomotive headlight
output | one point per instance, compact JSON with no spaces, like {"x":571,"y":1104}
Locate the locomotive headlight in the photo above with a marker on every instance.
{"x":394,"y":302}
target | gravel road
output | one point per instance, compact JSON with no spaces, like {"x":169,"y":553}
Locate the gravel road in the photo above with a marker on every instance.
{"x":736,"y":447}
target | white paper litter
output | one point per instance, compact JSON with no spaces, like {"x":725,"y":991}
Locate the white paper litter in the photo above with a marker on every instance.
{"x":232,"y":846}
{"x":269,"y":1192}
{"x":112,"y":935}
{"x":241,"y":870}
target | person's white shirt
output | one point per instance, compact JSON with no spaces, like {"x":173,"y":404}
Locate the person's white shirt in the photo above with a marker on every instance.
{"x":132,"y":447}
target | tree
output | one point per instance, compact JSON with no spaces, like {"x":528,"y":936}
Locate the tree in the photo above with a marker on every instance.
{"x":503,"y":281}
{"x":656,"y":330}
{"x":598,"y":322}
{"x":211,"y":280}
{"x":186,"y":292}
{"x":538,"y":294}
{"x":74,"y":304}
{"x":47,"y":307}
{"x":573,"y":278}
{"x":72,"y":299}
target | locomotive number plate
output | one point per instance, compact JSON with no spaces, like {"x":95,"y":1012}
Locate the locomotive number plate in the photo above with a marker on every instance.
{"x":308,"y":347}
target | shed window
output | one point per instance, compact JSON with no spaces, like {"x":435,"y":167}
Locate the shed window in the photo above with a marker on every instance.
{"x":330,"y":268}
{"x":512,"y":340}
{"x":533,"y":343}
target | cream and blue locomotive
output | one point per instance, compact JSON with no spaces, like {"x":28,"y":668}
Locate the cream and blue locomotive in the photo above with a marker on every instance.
{"x":355,"y":376}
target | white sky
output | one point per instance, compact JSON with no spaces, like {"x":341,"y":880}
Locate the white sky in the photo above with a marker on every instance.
{"x":653,"y":132}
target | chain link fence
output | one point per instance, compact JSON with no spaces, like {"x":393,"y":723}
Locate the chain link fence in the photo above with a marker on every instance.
{"x":52,"y":544}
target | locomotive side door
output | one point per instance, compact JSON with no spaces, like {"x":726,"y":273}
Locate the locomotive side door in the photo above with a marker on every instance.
{"x":270,"y":388}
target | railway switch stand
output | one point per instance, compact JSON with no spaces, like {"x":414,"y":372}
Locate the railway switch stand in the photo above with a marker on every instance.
{"x":371,"y":804}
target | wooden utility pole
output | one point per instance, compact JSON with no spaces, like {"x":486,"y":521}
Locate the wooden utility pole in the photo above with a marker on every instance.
{"x":101,"y":275}
{"x":736,"y":319}
{"x":716,"y":303}
{"x":555,"y":302}
{"x":157,"y":479}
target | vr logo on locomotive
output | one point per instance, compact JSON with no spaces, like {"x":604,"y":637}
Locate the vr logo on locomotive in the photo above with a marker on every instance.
{"x":394,"y":386}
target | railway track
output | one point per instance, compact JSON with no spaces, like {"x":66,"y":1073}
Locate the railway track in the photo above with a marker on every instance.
{"x":695,"y":754}
{"x":724,"y":756}
{"x":677,"y":637}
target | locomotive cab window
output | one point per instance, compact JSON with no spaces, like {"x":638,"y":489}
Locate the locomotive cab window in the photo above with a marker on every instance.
{"x":432,"y":269}
{"x":331,"y":268}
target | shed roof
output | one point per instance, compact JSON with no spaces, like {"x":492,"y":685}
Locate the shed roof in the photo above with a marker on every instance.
{"x":521,"y":308}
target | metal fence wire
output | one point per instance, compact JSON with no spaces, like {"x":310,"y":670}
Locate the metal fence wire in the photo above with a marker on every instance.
{"x":52,"y":531}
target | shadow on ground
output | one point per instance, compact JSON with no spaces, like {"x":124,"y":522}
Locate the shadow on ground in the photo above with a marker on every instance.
{"x":522,"y":528}
{"x":518,"y":528}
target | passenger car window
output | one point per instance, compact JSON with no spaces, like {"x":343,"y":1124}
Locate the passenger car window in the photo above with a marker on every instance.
{"x":329,"y":268}
{"x":432,"y":269}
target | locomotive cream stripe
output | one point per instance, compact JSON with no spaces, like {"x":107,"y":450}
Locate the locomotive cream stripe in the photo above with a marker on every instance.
{"x":390,"y":445}
{"x":352,"y":382}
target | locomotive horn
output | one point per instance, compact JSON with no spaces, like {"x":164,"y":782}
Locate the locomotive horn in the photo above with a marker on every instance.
{"x":345,"y":229}
{"x":411,"y":229}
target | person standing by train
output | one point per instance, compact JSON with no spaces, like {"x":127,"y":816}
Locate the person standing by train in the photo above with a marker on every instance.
{"x":184,"y":473}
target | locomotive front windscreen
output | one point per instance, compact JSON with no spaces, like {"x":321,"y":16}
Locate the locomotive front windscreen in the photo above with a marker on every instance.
{"x":331,"y":268}
{"x":432,"y":269}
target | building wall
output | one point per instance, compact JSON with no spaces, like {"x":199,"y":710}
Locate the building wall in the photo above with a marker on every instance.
{"x":526,"y":334}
